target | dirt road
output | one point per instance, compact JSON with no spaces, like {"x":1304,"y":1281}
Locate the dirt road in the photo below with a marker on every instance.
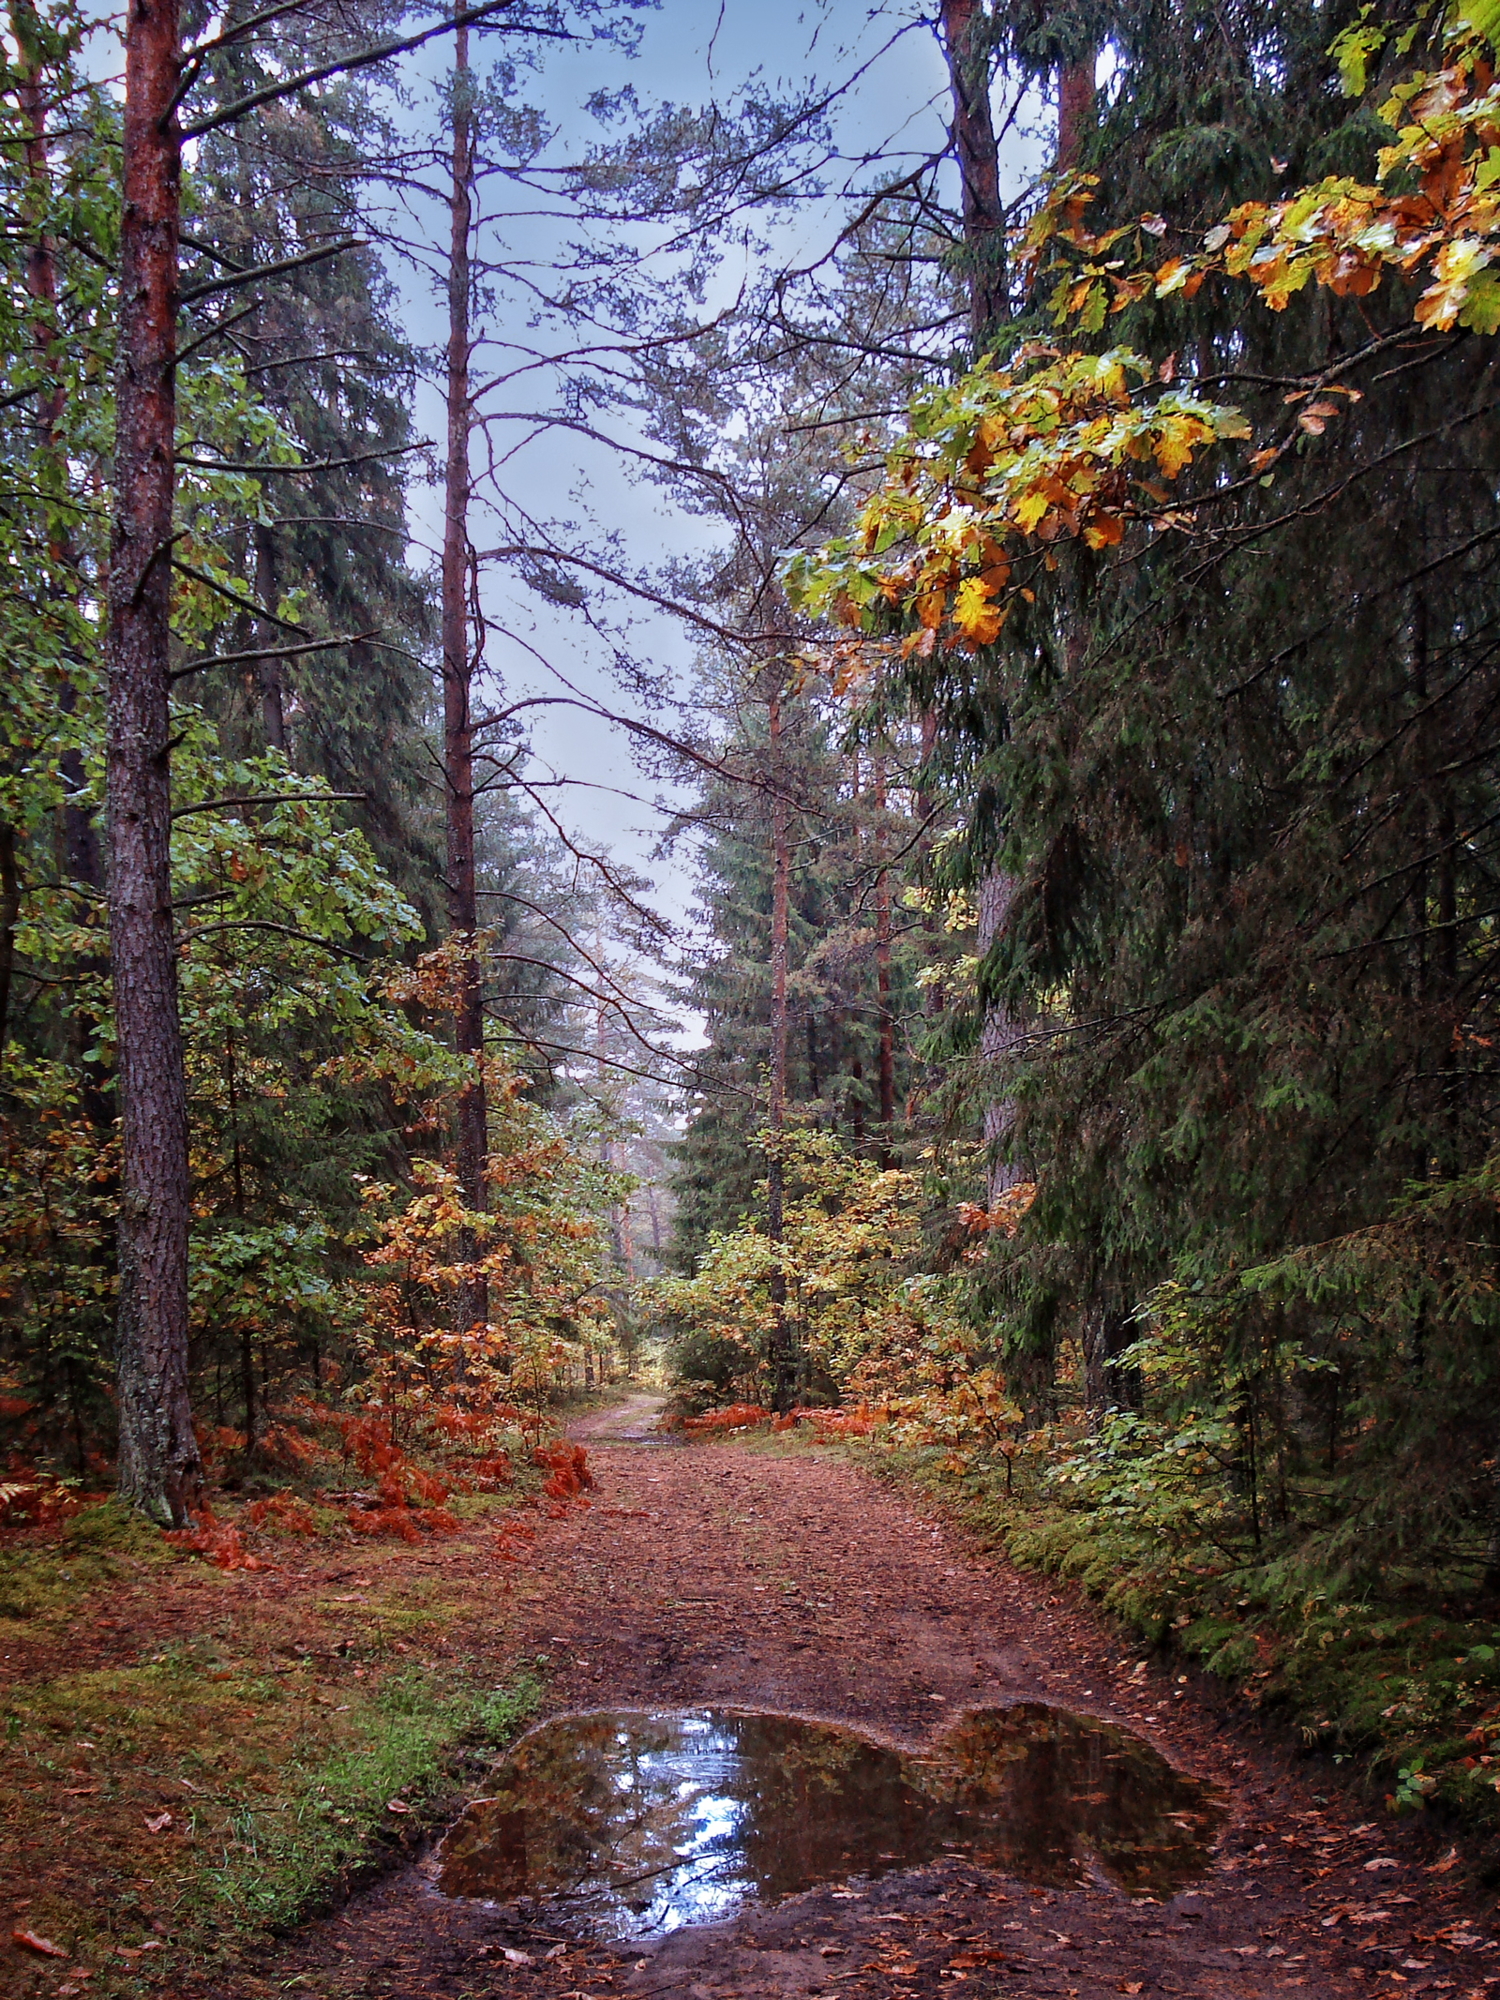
{"x":789,"y":1581}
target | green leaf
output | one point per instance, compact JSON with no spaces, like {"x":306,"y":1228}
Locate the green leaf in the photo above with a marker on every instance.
{"x":1483,"y":16}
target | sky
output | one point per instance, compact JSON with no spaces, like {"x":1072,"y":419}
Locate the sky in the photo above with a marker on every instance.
{"x":691,"y":53}
{"x":884,"y":57}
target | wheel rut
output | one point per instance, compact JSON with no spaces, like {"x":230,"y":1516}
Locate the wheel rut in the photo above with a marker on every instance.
{"x":735,"y":1576}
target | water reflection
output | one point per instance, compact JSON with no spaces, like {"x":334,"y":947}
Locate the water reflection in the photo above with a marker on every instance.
{"x":642,"y":1823}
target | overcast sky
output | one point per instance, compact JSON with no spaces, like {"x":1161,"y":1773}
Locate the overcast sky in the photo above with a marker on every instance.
{"x":691,"y":52}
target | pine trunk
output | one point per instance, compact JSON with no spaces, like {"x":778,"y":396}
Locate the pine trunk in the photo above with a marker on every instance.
{"x":1075,"y":108}
{"x":458,"y":738}
{"x":967,"y":48}
{"x":886,"y":1019}
{"x":159,"y":1468}
{"x":783,"y":1361}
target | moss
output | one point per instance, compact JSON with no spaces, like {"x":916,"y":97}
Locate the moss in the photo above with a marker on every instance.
{"x":274,"y":1798}
{"x":281,"y":1853}
{"x":115,"y":1527}
{"x":39,"y":1579}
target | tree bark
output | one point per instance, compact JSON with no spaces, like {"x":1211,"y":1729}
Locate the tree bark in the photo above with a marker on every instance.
{"x":886,"y":1020}
{"x":159,"y":1468}
{"x":999,"y":1038}
{"x":458,"y":673}
{"x":966,"y":45}
{"x":1075,"y":108}
{"x":783,"y":1360}
{"x":268,"y":671}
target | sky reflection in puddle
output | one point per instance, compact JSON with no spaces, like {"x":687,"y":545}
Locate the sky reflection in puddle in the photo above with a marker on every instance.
{"x":634,"y":1824}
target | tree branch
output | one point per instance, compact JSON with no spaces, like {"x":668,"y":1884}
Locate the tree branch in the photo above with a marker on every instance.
{"x":360,"y":59}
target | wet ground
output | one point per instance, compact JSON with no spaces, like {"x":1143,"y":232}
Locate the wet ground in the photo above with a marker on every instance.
{"x":719,"y":1579}
{"x":633,"y":1823}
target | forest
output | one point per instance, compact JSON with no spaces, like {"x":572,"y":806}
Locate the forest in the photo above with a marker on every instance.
{"x":809,"y":737}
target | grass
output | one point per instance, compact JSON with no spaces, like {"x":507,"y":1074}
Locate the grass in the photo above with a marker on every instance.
{"x":196,"y":1757}
{"x":281,"y":1856}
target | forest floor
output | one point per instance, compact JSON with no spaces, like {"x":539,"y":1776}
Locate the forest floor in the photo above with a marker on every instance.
{"x":773,"y":1575}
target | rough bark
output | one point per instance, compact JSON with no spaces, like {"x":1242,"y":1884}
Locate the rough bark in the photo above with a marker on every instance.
{"x":783,"y":1360}
{"x":458,"y":675}
{"x":966,"y":45}
{"x":159,"y":1468}
{"x":1075,"y":108}
{"x":269,"y":670}
{"x":1107,"y":1332}
{"x":886,"y":1020}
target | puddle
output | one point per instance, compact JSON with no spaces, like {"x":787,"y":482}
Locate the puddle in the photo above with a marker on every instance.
{"x":634,"y":1824}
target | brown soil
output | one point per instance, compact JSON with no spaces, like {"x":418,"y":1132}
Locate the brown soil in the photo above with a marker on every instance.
{"x":667,"y":1592}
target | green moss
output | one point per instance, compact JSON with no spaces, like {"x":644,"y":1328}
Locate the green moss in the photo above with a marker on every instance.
{"x":115,"y":1527}
{"x":278,"y":1855}
{"x":42,"y":1579}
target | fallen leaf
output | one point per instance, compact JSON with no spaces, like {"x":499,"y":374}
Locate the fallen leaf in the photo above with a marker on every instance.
{"x":30,"y":1941}
{"x":513,"y":1957}
{"x":1380,"y":1861}
{"x":397,"y":1806}
{"x":160,"y":1824}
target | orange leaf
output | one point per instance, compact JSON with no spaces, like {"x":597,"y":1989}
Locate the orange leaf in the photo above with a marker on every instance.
{"x":30,"y":1941}
{"x":1104,"y":530}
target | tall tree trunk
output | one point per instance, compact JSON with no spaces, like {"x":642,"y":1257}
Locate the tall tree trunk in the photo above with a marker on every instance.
{"x":458,"y":674}
{"x":1075,"y":107}
{"x":966,"y":45}
{"x":159,"y":1468}
{"x":783,"y":1360}
{"x":268,"y":670}
{"x":885,"y":1018}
